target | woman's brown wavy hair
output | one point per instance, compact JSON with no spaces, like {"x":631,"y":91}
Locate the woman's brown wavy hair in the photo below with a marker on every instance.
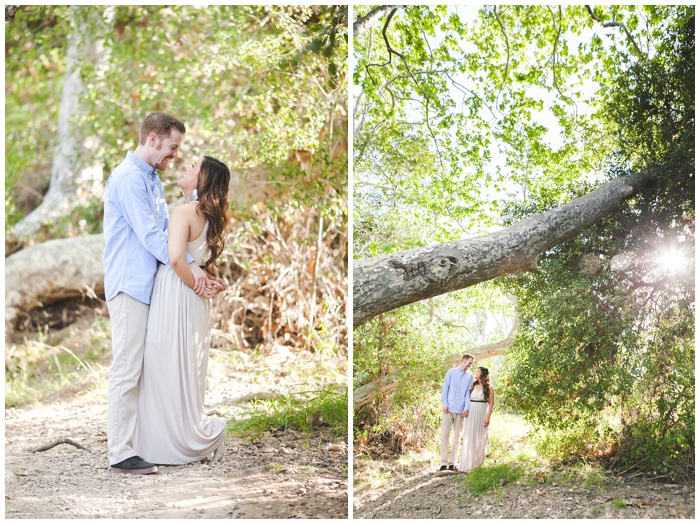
{"x":485,"y":382}
{"x":212,"y":198}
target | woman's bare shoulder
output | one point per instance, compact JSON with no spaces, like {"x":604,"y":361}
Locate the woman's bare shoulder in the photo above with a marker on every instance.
{"x":184,"y":211}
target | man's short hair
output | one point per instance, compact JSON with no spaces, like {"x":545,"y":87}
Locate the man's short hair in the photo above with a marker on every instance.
{"x":465,"y":357}
{"x":161,"y":124}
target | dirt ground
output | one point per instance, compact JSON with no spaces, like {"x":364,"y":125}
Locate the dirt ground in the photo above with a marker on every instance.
{"x":421,"y":494}
{"x":283,"y":474}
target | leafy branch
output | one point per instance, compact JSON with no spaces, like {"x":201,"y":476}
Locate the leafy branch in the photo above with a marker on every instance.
{"x":616,"y":24}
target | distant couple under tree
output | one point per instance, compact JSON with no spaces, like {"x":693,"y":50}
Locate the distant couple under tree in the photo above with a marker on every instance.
{"x":467,"y":401}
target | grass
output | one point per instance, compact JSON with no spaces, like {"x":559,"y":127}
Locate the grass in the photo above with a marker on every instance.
{"x":487,"y":478}
{"x":618,"y":503}
{"x":329,"y":408}
{"x":44,"y":363}
{"x":584,"y":474}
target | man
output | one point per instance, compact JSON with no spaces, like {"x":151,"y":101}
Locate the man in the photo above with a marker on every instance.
{"x":455,"y":408}
{"x":135,"y":220}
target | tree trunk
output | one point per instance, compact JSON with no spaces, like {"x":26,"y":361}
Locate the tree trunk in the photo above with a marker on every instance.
{"x":66,"y":174}
{"x":52,"y":271}
{"x":390,"y":281}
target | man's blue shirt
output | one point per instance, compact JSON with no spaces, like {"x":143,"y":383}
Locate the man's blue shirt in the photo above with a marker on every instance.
{"x":455,"y":390}
{"x":135,"y":220}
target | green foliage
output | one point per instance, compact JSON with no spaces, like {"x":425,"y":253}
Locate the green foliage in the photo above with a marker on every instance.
{"x":604,"y":362}
{"x":466,"y":112}
{"x":393,"y":342}
{"x":246,"y":81}
{"x":329,"y":407}
{"x":34,"y":66}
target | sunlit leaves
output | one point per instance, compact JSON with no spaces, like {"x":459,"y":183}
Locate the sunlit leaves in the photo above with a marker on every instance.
{"x":228,"y":72}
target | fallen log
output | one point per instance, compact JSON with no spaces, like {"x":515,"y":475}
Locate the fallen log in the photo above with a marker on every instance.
{"x":52,"y":271}
{"x":368,"y":392}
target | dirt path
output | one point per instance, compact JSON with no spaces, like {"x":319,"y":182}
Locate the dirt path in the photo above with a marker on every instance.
{"x":285,"y":474}
{"x":423,"y":495}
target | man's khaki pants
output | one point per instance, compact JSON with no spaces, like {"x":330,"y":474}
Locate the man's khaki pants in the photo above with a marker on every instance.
{"x":129,"y":320}
{"x":450,"y":421}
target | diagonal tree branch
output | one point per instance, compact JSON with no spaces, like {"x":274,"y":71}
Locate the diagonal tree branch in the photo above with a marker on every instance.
{"x":362,"y":24}
{"x":393,"y":280}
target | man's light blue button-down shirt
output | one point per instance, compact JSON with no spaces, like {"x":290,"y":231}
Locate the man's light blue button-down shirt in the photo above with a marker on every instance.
{"x":455,"y":390}
{"x":135,"y":220}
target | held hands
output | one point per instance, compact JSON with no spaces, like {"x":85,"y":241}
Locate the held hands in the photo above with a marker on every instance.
{"x":214,"y":287}
{"x":217,"y":284}
{"x":200,"y":280}
{"x":465,"y":414}
{"x":204,"y":286}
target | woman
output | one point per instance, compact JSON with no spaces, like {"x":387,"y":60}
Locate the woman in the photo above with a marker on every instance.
{"x":172,"y":426}
{"x":476,"y":430}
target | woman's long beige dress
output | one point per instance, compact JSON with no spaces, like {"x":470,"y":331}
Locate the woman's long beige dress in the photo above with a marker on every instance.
{"x":476,"y":436}
{"x":172,"y":426}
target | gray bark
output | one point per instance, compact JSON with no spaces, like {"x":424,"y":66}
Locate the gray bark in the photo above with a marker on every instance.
{"x":390,"y":281}
{"x":10,"y":11}
{"x":52,"y":271}
{"x":362,"y":24}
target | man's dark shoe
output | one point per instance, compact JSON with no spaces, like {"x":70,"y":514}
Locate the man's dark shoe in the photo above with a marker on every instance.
{"x":452,"y":468}
{"x":135,"y":465}
{"x":443,"y":468}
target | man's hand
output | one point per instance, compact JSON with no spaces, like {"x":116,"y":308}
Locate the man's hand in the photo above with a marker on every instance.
{"x":445,"y":410}
{"x":465,"y":414}
{"x":200,"y":280}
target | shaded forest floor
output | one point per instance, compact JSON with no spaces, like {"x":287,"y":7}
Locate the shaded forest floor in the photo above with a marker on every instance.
{"x":282,"y":473}
{"x":521,"y":486}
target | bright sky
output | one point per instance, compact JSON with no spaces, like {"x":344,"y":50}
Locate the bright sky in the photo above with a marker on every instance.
{"x":469,"y":13}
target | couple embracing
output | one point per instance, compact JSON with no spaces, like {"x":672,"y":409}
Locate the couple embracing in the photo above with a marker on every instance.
{"x":467,"y":401}
{"x":160,"y":278}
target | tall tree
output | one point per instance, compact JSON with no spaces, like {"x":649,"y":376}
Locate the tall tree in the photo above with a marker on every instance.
{"x":602,"y":358}
{"x":69,"y":158}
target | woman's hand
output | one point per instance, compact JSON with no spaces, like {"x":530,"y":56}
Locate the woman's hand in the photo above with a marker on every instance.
{"x":486,"y":423}
{"x":214,"y":287}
